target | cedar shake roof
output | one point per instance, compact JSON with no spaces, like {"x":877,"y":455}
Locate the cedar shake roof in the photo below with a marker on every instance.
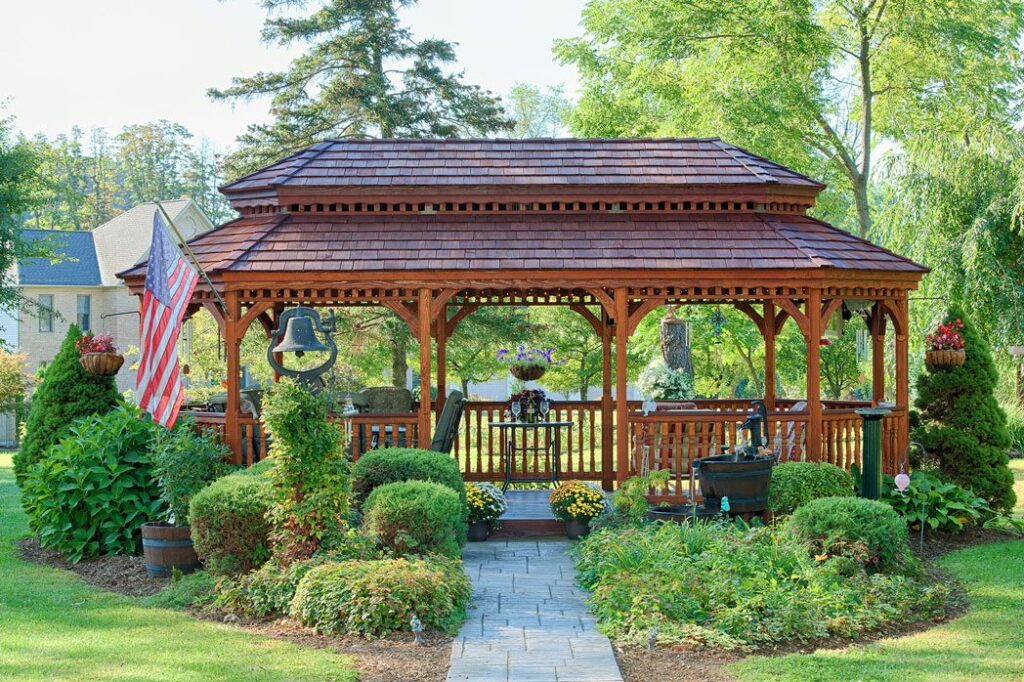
{"x":298,"y":243}
{"x":530,"y":163}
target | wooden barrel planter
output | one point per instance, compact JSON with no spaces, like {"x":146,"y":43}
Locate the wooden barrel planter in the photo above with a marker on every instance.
{"x":945,"y":358}
{"x":743,"y":481}
{"x":527,"y":373}
{"x":166,"y":547}
{"x":102,"y":364}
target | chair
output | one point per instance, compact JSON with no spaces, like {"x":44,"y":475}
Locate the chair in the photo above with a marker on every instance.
{"x":787,"y":433}
{"x":448,"y":423}
{"x":388,"y":399}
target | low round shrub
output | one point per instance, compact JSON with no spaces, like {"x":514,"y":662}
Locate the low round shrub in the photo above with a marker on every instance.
{"x":870,"y":532}
{"x":416,"y":517}
{"x":230,"y":529}
{"x":92,"y":492}
{"x":373,"y":598}
{"x":390,"y":465}
{"x":796,"y":483}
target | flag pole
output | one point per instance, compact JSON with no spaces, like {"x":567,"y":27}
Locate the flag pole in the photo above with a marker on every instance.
{"x":188,"y":249}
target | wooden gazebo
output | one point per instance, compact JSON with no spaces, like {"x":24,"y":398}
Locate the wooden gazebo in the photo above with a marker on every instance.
{"x":434,"y":229}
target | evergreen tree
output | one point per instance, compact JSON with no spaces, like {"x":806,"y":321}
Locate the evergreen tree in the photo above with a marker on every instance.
{"x":66,"y":393}
{"x":363,"y":74}
{"x":962,"y":426}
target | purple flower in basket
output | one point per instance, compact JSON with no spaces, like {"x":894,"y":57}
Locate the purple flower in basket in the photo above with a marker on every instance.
{"x":529,"y":357}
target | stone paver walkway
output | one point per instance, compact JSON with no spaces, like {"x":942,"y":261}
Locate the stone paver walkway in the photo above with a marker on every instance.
{"x":529,"y":622}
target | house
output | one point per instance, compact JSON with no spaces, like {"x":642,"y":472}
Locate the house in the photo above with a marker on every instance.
{"x":81,"y":286}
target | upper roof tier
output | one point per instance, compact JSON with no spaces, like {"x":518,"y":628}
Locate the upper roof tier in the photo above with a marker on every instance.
{"x":443,"y":168}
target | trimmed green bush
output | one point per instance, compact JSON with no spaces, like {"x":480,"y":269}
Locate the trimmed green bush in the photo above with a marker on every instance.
{"x":796,"y":483}
{"x":230,"y":529}
{"x":373,"y":598}
{"x":66,"y":394}
{"x":962,"y":426}
{"x":377,"y":467}
{"x":93,"y":491}
{"x":416,"y":517}
{"x":184,"y":462}
{"x":869,"y":532}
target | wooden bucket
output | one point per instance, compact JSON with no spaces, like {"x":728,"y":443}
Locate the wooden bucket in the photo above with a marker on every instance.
{"x":166,"y":547}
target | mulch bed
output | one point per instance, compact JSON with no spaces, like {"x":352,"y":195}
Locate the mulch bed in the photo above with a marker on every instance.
{"x":122,"y":574}
{"x":398,"y":657}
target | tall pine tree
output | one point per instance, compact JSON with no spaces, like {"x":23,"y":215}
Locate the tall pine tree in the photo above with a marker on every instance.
{"x":962,"y":425}
{"x":363,"y":75}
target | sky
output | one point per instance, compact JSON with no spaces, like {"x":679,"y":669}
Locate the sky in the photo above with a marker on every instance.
{"x":111,"y":63}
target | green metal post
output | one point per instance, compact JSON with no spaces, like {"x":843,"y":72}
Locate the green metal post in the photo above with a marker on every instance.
{"x":871,"y":468}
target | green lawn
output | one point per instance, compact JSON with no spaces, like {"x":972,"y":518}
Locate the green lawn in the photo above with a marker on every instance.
{"x":53,"y":626}
{"x":986,"y":644}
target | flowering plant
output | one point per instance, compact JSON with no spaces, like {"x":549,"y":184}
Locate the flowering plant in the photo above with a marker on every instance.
{"x":486,"y":502}
{"x":576,"y":500}
{"x":526,"y":399}
{"x":529,"y":357}
{"x":100,"y":343}
{"x":659,"y":382}
{"x":946,"y":337}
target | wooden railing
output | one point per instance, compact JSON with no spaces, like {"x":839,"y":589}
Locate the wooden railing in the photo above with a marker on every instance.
{"x":662,"y":440}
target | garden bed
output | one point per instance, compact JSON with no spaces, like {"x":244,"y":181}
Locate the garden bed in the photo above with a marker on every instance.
{"x":122,"y":574}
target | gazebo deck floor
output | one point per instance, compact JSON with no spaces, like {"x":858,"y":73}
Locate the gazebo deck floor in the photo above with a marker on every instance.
{"x":529,"y":515}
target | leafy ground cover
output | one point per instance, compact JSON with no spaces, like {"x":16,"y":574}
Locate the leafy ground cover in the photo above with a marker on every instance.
{"x":986,"y":644}
{"x":56,"y":627}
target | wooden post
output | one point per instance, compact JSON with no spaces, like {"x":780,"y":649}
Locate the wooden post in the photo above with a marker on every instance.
{"x":877,"y":329}
{"x":423,"y":318}
{"x":232,"y":351}
{"x":607,"y":434}
{"x":621,"y":407}
{"x":768,"y":332}
{"x":902,"y":373}
{"x":813,"y":312}
{"x":275,"y":315}
{"x":442,"y":360}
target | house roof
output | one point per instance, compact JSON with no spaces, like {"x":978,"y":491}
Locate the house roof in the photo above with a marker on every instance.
{"x":77,"y":267}
{"x":124,"y":240}
{"x":525,"y":163}
{"x":310,"y":243}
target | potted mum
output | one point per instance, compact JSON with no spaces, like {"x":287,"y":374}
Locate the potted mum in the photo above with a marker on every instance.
{"x":527,"y":364}
{"x":184,"y":462}
{"x":577,"y":503}
{"x":486,"y":504}
{"x":945,"y":346}
{"x":98,"y":354}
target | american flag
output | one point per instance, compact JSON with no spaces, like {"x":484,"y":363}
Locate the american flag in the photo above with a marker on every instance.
{"x":170,"y":280}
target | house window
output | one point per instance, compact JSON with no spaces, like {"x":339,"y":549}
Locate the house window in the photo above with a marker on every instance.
{"x":84,"y":307}
{"x":46,"y":312}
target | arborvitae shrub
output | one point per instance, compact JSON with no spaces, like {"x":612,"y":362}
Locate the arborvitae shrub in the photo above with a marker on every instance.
{"x":962,"y":427}
{"x":67,"y":393}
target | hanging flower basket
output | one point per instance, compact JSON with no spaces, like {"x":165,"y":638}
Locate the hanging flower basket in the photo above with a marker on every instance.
{"x":101,"y":364}
{"x":528,"y":373}
{"x":98,"y":355}
{"x":945,"y":358}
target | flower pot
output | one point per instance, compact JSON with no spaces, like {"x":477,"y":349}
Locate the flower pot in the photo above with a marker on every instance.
{"x":945,"y":358}
{"x":527,"y":373}
{"x":166,"y":547}
{"x":478,"y":531}
{"x":577,"y":528}
{"x":102,"y":364}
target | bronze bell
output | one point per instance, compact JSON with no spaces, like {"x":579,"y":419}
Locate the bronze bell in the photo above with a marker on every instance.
{"x":299,"y":338}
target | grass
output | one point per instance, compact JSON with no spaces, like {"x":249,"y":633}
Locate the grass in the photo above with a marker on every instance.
{"x":53,"y":626}
{"x":1017,"y":466}
{"x":985,"y":644}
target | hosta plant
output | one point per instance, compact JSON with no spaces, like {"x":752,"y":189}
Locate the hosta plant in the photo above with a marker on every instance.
{"x":93,"y":491}
{"x":937,"y":504}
